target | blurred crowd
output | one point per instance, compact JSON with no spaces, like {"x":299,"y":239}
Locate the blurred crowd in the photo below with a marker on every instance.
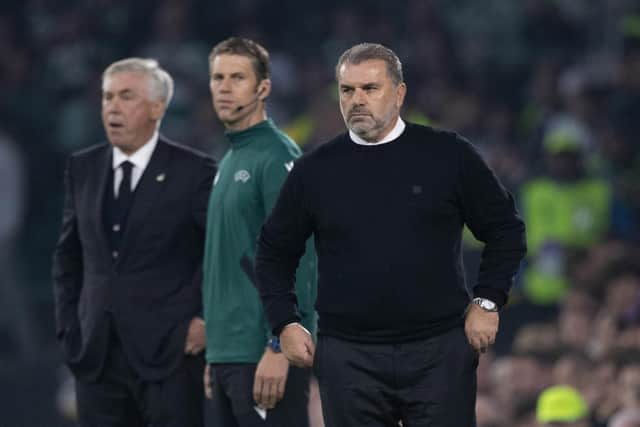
{"x":548,"y":89}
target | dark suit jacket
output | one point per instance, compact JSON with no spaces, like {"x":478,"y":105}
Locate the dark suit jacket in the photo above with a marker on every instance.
{"x":152,"y":291}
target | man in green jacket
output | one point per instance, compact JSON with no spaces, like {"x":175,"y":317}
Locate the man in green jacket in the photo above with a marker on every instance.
{"x":248,"y":381}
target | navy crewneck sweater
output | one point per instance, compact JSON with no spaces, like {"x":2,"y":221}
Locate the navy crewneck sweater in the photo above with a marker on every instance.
{"x":388,"y":223}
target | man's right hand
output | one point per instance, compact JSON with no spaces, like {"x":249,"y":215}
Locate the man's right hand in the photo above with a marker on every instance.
{"x":297,"y":345}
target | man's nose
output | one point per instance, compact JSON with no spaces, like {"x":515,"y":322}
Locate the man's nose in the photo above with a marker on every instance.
{"x":224,"y":86}
{"x":359,"y":97}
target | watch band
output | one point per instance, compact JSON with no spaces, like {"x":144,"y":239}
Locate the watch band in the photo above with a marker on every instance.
{"x":274,"y":344}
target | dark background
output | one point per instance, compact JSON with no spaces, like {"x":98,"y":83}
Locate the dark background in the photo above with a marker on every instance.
{"x":506,"y":74}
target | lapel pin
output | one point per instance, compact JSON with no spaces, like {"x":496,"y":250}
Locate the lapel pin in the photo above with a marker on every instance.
{"x":160,"y":177}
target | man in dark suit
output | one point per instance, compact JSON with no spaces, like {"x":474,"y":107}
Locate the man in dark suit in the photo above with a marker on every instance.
{"x":127,"y":266}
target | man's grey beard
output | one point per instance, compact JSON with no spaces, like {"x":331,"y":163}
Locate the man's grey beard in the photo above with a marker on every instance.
{"x":368,"y":134}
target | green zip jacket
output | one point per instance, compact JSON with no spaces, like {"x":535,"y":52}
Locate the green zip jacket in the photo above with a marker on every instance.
{"x":244,"y":192}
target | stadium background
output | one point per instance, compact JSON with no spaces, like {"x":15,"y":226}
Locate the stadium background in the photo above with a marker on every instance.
{"x":539,"y":85}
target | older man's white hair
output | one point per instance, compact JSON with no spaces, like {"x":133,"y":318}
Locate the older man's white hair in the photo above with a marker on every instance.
{"x":161,"y":83}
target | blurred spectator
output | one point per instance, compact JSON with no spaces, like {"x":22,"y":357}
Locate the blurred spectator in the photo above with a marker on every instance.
{"x":625,"y":101}
{"x":566,"y":211}
{"x":488,"y":413}
{"x":599,"y":390}
{"x":15,"y":316}
{"x":562,"y":406}
{"x":622,"y":164}
{"x":550,"y":31}
{"x":629,"y":384}
{"x":536,"y":338}
{"x":483,"y":372}
{"x":574,"y":328}
{"x":571,"y":368}
{"x":319,"y":123}
{"x":626,"y":418}
{"x":621,"y":146}
{"x":516,"y":381}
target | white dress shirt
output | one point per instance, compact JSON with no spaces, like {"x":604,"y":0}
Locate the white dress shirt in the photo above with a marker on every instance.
{"x":395,"y":133}
{"x":140,"y":160}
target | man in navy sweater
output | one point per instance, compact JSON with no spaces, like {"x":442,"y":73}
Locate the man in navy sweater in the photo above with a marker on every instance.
{"x":399,"y":331}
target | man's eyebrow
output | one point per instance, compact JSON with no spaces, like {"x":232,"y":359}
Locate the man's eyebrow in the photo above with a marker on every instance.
{"x":120,"y":92}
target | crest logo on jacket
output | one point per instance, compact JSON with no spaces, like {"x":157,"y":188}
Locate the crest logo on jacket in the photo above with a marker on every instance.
{"x":241,"y":175}
{"x":288,"y":166}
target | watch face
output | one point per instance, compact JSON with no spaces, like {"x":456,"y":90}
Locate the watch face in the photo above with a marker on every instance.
{"x":274,"y":343}
{"x":488,"y":305}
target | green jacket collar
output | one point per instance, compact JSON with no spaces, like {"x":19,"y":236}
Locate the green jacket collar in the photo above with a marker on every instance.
{"x":248,"y":135}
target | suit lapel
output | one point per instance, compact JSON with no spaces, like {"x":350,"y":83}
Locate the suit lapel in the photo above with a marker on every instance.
{"x":151,"y":184}
{"x":100,"y":185}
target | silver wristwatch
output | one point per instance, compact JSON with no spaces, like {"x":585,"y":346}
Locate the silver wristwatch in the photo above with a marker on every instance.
{"x":486,"y":304}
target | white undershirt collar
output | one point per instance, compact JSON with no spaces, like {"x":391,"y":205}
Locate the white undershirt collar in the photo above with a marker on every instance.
{"x":140,"y":160}
{"x":393,"y":134}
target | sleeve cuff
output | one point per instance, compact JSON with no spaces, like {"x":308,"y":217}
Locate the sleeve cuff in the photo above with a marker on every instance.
{"x":278,"y":329}
{"x":495,"y":295}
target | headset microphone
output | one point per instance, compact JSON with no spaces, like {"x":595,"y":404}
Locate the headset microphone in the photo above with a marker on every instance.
{"x":242,"y":107}
{"x":256,"y":99}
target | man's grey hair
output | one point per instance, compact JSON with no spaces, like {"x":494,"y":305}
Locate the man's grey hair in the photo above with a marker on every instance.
{"x":161,"y":83}
{"x":372,"y":51}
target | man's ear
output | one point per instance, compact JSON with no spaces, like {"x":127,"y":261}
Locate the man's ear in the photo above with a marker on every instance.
{"x":157,"y":110}
{"x":401,"y":92}
{"x":264,"y":89}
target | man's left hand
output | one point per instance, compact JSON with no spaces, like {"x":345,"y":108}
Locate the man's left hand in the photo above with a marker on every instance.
{"x":270,"y":379}
{"x":481,"y":327}
{"x":195,"y":336}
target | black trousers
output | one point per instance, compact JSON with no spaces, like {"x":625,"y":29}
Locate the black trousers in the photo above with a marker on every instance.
{"x":120,"y":398}
{"x":233,"y":405}
{"x":427,"y":383}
